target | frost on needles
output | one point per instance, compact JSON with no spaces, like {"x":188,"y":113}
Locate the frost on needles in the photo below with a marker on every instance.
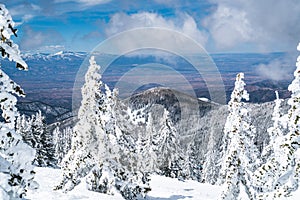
{"x":16,"y":170}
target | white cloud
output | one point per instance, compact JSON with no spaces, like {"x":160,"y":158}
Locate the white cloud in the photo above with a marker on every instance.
{"x":182,"y":23}
{"x":266,"y":24}
{"x":26,"y":18}
{"x":52,"y":48}
{"x":85,"y":2}
{"x":24,"y":9}
{"x":36,"y":39}
{"x":92,"y":35}
{"x":93,"y":2}
{"x":168,"y":2}
{"x":228,"y":27}
{"x":275,"y":70}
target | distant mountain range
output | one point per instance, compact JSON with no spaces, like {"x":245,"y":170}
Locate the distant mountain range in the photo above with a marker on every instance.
{"x":61,"y":55}
{"x":51,"y":77}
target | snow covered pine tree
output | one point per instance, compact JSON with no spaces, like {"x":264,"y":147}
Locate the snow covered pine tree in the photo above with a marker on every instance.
{"x":266,"y":175}
{"x":24,"y":128}
{"x":16,"y":170}
{"x":240,"y":152}
{"x":122,"y":167}
{"x":170,"y":157}
{"x":99,"y":150}
{"x":43,"y":141}
{"x":211,"y":167}
{"x":193,"y":162}
{"x":289,"y":160}
{"x":88,"y":141}
{"x":35,"y":134}
{"x":62,"y":143}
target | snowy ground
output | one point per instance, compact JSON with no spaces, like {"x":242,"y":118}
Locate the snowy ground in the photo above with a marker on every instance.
{"x":162,"y":189}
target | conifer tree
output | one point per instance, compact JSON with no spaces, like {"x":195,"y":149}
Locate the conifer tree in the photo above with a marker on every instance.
{"x":8,"y":48}
{"x":35,"y":134}
{"x":210,"y":171}
{"x":238,"y":161}
{"x":266,"y":175}
{"x":289,"y":152}
{"x":276,"y":130}
{"x":99,"y":149}
{"x":211,"y":167}
{"x":88,"y":135}
{"x":43,"y":142}
{"x":57,"y":135}
{"x":16,"y":171}
{"x":122,"y":169}
{"x":146,"y":147}
{"x":62,"y":143}
{"x":24,"y":128}
{"x":103,"y":176}
{"x":133,"y":176}
{"x":146,"y":156}
{"x":194,"y":165}
{"x":170,"y":157}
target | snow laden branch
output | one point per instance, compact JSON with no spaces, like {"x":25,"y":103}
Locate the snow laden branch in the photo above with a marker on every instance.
{"x":8,"y":48}
{"x":16,"y":170}
{"x":240,"y":153}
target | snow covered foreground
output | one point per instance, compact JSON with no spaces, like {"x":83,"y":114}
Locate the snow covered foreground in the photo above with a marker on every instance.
{"x":163,"y":188}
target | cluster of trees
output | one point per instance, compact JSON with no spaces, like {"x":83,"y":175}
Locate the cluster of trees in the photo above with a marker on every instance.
{"x":34,"y":132}
{"x":99,"y":150}
{"x":111,"y":159}
{"x":61,"y":142}
{"x":51,"y":147}
{"x":245,"y":174}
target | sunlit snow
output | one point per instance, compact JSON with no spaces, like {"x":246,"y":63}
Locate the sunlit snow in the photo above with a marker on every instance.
{"x":163,"y":188}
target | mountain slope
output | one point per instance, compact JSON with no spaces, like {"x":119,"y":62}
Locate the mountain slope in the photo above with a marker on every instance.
{"x":197,"y":121}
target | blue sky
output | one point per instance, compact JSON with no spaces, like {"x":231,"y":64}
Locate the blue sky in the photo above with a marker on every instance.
{"x":218,"y":25}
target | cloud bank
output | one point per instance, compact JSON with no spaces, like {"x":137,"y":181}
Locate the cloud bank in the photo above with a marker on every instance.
{"x":219,"y":25}
{"x":183,"y":23}
{"x":278,"y":69}
{"x":86,"y":3}
{"x":32,"y":39}
{"x":267,"y":24}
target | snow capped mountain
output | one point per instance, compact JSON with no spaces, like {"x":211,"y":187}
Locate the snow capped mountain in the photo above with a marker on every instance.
{"x":61,"y":55}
